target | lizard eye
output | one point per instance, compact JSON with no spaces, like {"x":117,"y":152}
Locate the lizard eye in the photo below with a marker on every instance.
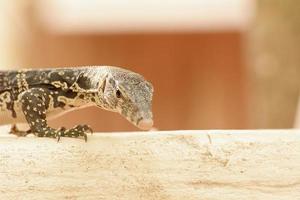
{"x":118,"y":94}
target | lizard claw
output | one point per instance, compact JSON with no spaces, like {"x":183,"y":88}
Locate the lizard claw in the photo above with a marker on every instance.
{"x":58,"y":137}
{"x":77,"y":131}
{"x":86,"y":128}
{"x":89,"y":129}
{"x":59,"y":133}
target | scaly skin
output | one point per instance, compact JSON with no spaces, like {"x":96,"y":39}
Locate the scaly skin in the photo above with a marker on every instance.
{"x":33,"y":96}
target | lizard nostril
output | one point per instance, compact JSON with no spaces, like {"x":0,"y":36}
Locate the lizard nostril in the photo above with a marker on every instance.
{"x":145,"y":124}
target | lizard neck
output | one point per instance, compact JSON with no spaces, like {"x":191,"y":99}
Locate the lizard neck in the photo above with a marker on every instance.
{"x":86,"y":90}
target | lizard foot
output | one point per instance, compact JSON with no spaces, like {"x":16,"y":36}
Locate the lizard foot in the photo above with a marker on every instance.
{"x":77,"y":131}
{"x":15,"y":131}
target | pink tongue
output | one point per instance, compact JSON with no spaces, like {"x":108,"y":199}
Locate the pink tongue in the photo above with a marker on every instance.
{"x":145,"y":124}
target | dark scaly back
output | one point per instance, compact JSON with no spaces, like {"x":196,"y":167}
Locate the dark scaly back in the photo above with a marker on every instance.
{"x":47,"y":78}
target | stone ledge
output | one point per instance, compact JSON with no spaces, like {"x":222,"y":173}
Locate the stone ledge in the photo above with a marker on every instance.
{"x":206,"y":164}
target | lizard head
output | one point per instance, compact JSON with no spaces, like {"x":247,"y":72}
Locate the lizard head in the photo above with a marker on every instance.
{"x":129,"y":94}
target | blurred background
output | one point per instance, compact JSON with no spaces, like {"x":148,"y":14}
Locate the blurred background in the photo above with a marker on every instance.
{"x":214,"y":64}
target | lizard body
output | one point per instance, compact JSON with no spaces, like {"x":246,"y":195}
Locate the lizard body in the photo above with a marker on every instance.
{"x":33,"y":96}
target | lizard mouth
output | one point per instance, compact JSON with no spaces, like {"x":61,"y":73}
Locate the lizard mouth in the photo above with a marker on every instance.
{"x":145,"y":124}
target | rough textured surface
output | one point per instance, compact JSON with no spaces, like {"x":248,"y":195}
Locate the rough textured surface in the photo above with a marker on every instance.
{"x":153,"y":165}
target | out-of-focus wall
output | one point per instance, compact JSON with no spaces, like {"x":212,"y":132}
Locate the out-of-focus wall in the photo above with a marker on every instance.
{"x":274,"y":42}
{"x":9,"y":30}
{"x":16,"y":32}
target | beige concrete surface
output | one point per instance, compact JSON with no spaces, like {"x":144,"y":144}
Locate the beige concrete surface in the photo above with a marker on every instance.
{"x":175,"y":165}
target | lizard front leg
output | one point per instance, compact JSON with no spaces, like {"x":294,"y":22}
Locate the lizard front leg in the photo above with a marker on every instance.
{"x":35,"y":103}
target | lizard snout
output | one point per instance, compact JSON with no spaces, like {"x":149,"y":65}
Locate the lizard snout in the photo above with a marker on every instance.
{"x":145,"y":124}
